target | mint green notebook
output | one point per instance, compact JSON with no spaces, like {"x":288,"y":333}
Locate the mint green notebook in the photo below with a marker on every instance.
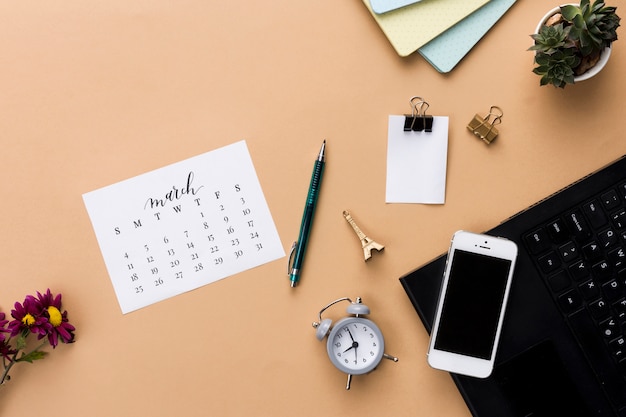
{"x":448,"y":49}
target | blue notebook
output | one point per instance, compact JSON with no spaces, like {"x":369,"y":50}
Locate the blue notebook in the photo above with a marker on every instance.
{"x":448,"y":49}
{"x":384,"y":6}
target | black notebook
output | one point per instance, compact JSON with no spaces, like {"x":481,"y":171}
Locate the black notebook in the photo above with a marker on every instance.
{"x":563,"y":346}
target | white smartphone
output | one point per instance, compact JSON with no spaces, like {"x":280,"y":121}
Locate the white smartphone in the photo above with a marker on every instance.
{"x":472,"y":301}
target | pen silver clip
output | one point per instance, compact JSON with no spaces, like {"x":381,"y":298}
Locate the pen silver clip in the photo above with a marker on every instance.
{"x":290,"y":260}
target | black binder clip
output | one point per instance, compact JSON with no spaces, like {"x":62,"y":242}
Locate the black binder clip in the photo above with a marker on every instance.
{"x":418,"y":120}
{"x":484,"y":127}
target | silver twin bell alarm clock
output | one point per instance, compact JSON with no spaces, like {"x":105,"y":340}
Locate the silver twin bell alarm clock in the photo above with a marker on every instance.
{"x":355,"y":344}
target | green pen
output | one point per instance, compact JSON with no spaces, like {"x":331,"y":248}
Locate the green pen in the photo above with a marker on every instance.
{"x":299,"y":246}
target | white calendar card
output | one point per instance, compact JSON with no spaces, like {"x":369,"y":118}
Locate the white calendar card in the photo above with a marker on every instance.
{"x":183,"y":226}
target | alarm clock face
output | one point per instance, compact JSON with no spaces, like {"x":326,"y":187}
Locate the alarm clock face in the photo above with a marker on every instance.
{"x":355,"y":345}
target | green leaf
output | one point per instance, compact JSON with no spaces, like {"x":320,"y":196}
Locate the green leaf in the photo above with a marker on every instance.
{"x":32,"y":356}
{"x":578,"y":21}
{"x":569,"y":11}
{"x":597,"y":6}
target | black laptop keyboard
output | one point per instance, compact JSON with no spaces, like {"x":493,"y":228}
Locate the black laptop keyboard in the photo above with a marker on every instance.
{"x":582,"y":257}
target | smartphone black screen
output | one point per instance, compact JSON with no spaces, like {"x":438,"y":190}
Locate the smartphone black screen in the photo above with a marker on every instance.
{"x":472,"y":304}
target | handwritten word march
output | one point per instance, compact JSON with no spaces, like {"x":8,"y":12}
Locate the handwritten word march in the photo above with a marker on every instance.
{"x":175,"y":194}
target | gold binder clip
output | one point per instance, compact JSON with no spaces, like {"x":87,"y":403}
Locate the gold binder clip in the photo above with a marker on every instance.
{"x":418,"y":120}
{"x":484,"y":127}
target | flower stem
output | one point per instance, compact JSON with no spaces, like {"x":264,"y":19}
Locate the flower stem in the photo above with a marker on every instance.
{"x":5,"y":375}
{"x":12,"y":361}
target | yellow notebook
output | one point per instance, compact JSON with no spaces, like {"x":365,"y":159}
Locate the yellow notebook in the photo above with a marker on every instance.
{"x":413,"y":26}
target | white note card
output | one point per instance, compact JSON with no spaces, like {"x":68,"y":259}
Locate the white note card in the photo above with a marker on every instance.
{"x":183,"y":226}
{"x":416,"y":162}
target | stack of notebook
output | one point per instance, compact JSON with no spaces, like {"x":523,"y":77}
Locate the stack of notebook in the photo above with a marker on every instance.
{"x":442,"y":31}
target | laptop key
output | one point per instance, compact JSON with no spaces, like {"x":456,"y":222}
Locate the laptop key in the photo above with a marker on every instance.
{"x":599,"y":309}
{"x":592,"y":250}
{"x":602,"y":271}
{"x":549,"y":262}
{"x":609,"y":328}
{"x":589,"y":290}
{"x":608,"y":238}
{"x":570,"y":302}
{"x":617,"y":346}
{"x":559,"y":281}
{"x":610,"y":200}
{"x":619,"y":219}
{"x":620,"y":309}
{"x":538,"y":241}
{"x":617,"y":258}
{"x":557,"y":231}
{"x":595,"y":214}
{"x":579,"y":270}
{"x":568,"y":252}
{"x":612,"y":290}
{"x":578,"y":225}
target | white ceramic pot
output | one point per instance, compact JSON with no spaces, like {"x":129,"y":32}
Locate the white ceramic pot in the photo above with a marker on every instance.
{"x":604,"y":56}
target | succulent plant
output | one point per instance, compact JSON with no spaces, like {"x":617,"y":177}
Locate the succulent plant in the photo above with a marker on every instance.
{"x":552,"y":38}
{"x":557,"y":68}
{"x":593,"y":26}
{"x":571,"y":42}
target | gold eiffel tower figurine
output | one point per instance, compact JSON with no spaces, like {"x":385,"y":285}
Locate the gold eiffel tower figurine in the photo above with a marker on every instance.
{"x":367,"y":243}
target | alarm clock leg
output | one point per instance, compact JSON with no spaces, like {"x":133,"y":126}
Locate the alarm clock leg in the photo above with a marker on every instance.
{"x":392,"y":358}
{"x":349,"y":381}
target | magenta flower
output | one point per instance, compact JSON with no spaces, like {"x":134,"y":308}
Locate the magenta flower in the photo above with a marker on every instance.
{"x":3,"y":325}
{"x":28,"y":318}
{"x":59,"y":324}
{"x":41,"y":316}
{"x":6,"y":350}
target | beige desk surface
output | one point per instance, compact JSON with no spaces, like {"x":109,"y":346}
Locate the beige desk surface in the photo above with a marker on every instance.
{"x":92,"y":93}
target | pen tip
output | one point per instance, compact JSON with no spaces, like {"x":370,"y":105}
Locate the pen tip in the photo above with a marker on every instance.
{"x":322,"y":153}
